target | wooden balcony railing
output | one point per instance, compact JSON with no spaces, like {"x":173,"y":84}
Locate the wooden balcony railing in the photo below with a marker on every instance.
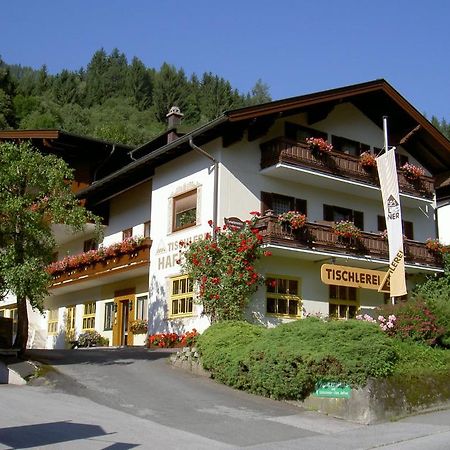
{"x":321,"y":237}
{"x":282,"y":150}
{"x":140,"y":256}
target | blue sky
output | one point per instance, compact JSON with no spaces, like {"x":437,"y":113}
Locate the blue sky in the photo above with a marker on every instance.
{"x":296,"y":47}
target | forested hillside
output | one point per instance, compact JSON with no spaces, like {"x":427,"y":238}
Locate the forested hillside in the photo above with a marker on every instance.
{"x":114,"y":99}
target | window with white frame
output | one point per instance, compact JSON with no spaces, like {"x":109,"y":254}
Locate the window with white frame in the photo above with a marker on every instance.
{"x":109,"y":316}
{"x":181,"y":296}
{"x":283,"y":296}
{"x":141,"y":307}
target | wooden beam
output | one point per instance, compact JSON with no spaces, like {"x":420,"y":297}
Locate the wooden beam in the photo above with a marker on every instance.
{"x":259,"y":127}
{"x":407,"y":136}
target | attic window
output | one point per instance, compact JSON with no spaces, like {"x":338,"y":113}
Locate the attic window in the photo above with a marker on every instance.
{"x":184,"y":210}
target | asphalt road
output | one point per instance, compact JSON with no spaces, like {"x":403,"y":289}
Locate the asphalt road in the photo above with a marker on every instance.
{"x":129,"y":398}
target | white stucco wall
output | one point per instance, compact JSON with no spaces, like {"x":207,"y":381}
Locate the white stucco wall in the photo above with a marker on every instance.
{"x":444,"y":224}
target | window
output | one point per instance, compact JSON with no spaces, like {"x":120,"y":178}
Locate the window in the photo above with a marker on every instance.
{"x":349,"y":146}
{"x":13,"y":314}
{"x":126,"y":234}
{"x":343,"y":302}
{"x":141,"y":307}
{"x":280,"y":204}
{"x":184,"y":210}
{"x":2,"y":313}
{"x":52,"y":321}
{"x":299,"y":133}
{"x":147,"y":229}
{"x":283,"y":296}
{"x":90,"y":244}
{"x":408,"y":227}
{"x":70,"y":318}
{"x":181,"y":296}
{"x":89,"y":316}
{"x":336,"y":214}
{"x":109,"y":316}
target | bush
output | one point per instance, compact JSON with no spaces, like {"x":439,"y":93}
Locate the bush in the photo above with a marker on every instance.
{"x":435,"y":292}
{"x":287,"y":361}
{"x":414,"y":321}
{"x":92,"y":338}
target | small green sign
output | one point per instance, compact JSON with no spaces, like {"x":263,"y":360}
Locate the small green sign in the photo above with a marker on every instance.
{"x":332,"y":389}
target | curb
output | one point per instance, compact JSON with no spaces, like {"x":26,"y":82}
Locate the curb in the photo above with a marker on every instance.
{"x":16,"y":373}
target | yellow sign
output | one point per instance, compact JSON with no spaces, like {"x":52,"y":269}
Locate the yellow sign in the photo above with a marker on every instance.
{"x":353,"y":277}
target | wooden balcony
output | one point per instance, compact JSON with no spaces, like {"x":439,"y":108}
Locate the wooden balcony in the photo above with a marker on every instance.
{"x":109,"y":266}
{"x":282,"y":150}
{"x":315,"y":236}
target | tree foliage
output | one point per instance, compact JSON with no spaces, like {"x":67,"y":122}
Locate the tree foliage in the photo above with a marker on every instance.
{"x":82,"y":101}
{"x":35,"y":191}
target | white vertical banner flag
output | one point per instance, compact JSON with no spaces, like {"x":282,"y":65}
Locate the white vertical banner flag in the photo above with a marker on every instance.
{"x":387,"y":173}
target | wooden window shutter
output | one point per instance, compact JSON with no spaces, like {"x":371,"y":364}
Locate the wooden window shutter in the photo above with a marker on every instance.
{"x":300,"y":205}
{"x":328,"y":213}
{"x":266,"y":202}
{"x":358,"y":219}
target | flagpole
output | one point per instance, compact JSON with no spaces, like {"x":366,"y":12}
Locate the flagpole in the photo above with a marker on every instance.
{"x":386,"y":147}
{"x":385,"y":131}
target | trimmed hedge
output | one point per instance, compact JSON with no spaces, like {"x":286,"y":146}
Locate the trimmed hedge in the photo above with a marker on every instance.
{"x":287,"y":361}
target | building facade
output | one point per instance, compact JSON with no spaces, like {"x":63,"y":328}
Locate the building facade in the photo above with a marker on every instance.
{"x":252,"y":159}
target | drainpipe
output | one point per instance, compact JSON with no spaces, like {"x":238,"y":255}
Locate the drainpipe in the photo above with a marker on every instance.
{"x":216,"y":182}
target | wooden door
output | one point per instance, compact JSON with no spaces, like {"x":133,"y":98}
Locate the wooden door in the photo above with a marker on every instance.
{"x":124,"y":306}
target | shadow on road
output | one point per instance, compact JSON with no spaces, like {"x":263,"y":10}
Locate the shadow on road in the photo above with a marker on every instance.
{"x":28,"y":436}
{"x":98,"y":356}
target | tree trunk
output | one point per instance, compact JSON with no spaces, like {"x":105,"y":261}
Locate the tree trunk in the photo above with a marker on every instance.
{"x":22,"y":325}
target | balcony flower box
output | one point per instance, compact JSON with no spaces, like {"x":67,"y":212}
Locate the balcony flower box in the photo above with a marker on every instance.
{"x":293,"y":219}
{"x":318,"y":146}
{"x":83,"y":261}
{"x":346,"y":229}
{"x":367,"y":161}
{"x":412,"y":173}
{"x":434,"y":246}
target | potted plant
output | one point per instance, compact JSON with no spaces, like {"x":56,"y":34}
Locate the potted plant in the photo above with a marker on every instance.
{"x":318,"y":146}
{"x":294,"y":219}
{"x":139,"y":326}
{"x":346,"y":229}
{"x":367,"y":160}
{"x":412,"y":172}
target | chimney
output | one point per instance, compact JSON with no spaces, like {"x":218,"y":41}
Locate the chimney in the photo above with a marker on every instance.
{"x":174,"y":117}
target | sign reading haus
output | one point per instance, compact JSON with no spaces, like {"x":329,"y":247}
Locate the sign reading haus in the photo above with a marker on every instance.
{"x":352,"y":276}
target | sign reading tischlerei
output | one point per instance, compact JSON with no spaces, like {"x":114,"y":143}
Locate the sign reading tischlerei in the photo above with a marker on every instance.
{"x":352,"y":276}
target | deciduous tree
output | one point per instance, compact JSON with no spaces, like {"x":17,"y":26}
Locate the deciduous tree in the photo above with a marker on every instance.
{"x":35,"y":192}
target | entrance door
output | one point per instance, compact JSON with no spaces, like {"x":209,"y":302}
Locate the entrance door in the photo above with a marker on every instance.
{"x":124,"y":307}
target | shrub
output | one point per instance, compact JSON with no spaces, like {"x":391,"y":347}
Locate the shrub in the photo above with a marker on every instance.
{"x":224,"y":268}
{"x":435,"y":292}
{"x":414,"y":321}
{"x":92,"y":338}
{"x":287,"y":361}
